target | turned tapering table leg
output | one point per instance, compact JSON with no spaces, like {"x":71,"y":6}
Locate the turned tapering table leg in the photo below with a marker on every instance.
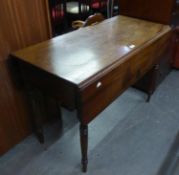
{"x":84,"y":146}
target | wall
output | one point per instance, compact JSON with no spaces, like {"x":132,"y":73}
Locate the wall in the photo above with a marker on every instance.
{"x":22,"y":23}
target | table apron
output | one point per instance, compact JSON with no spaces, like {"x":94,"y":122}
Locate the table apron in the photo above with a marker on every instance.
{"x":99,"y":94}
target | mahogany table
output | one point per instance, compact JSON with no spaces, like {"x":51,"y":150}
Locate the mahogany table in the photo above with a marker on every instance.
{"x":88,"y":68}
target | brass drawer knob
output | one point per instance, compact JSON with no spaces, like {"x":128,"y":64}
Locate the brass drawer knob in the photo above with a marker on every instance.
{"x":98,"y":85}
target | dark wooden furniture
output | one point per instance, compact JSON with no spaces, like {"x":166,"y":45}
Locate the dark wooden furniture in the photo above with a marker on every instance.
{"x":176,"y":48}
{"x":23,"y":23}
{"x":89,"y":73}
{"x":152,"y":10}
{"x":156,"y":11}
{"x":175,"y":23}
{"x":150,"y":81}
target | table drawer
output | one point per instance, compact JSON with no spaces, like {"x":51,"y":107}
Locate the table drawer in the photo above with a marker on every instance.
{"x":101,"y":92}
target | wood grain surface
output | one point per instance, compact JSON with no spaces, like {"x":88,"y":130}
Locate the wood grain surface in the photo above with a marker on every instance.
{"x":79,"y":56}
{"x":22,"y":23}
{"x":97,"y":63}
{"x":89,"y":68}
{"x":157,"y":11}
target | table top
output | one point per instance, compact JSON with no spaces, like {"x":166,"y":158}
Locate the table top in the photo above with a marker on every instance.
{"x":82,"y":56}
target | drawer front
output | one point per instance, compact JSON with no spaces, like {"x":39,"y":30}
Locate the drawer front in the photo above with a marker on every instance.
{"x":99,"y":94}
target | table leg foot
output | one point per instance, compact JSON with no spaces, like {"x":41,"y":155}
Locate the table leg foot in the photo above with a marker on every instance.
{"x":84,"y":167}
{"x":84,"y":146}
{"x":148,"y":97}
{"x":40,"y":135}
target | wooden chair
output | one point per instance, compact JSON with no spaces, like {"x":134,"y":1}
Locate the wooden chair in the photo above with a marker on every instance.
{"x":91,"y":20}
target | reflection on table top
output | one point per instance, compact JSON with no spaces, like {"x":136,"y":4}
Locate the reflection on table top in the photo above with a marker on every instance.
{"x":78,"y":56}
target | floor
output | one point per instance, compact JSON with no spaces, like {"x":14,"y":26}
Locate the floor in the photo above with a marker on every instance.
{"x":130,"y":137}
